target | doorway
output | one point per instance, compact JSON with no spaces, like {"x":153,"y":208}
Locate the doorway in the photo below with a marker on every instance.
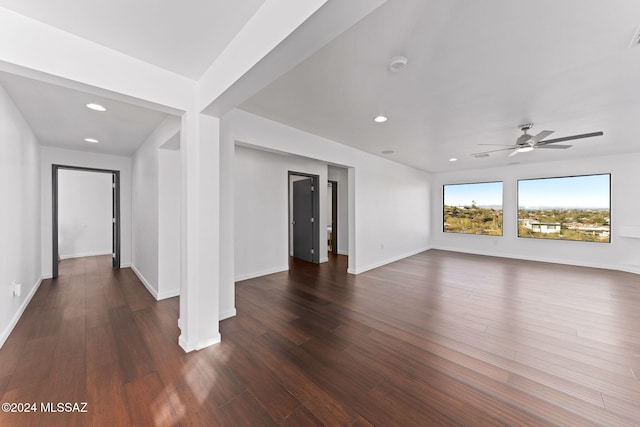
{"x":304,"y":216}
{"x":332,"y":227}
{"x":115,"y":213}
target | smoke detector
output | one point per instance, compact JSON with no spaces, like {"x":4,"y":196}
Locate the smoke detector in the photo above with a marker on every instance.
{"x":397,"y":64}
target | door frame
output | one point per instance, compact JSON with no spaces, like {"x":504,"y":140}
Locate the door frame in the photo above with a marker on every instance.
{"x":334,"y":216}
{"x":315,"y":200}
{"x":115,"y":204}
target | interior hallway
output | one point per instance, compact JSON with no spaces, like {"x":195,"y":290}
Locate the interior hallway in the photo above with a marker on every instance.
{"x":436,"y":339}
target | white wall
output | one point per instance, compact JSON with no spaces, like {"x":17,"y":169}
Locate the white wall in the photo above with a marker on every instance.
{"x":169,"y":223}
{"x":341,"y":176}
{"x":144,"y":239}
{"x":261,"y":209}
{"x":227,"y":292}
{"x":622,"y":253}
{"x":390,"y":215}
{"x":51,"y":156}
{"x":84,"y":213}
{"x":147,"y":171}
{"x":19,"y":214}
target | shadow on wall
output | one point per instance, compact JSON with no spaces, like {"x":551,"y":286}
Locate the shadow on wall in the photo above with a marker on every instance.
{"x":68,"y":241}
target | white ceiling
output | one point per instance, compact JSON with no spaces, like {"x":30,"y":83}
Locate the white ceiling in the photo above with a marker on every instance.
{"x":476,"y":70}
{"x":184,"y":37}
{"x":181,"y":36}
{"x":58,"y":117}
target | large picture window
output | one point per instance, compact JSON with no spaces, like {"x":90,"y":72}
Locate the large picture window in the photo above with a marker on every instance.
{"x":566,"y":208}
{"x":473,"y":208}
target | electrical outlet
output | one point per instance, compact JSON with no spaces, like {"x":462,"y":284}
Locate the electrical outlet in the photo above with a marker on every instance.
{"x":16,"y":289}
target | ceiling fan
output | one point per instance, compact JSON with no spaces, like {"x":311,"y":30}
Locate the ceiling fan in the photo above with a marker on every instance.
{"x":527,"y":142}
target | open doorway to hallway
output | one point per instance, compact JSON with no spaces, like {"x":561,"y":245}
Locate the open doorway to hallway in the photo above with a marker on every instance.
{"x":337,"y":212}
{"x":85,"y":215}
{"x":332,"y":215}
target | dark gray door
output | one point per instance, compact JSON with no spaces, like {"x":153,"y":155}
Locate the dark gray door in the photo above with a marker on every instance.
{"x":115,"y":219}
{"x":114,"y":233}
{"x":303,"y":247}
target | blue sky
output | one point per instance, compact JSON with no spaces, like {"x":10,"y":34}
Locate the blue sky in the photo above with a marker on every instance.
{"x":484,"y":194}
{"x":571,"y":192}
{"x":590,"y":191}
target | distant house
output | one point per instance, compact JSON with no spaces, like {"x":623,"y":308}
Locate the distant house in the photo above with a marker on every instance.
{"x":600,"y":231}
{"x":542,"y":227}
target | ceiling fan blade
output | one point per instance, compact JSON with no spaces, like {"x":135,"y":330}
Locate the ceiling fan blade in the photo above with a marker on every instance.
{"x":569,"y":138}
{"x":554,"y":146}
{"x":492,"y":151}
{"x":539,"y":137}
{"x":513,"y":153}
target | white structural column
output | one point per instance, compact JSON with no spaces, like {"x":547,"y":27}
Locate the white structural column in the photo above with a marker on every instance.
{"x":200,"y":223}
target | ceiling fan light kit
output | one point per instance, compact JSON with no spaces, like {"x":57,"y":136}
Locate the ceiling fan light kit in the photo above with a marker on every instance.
{"x":527,"y":142}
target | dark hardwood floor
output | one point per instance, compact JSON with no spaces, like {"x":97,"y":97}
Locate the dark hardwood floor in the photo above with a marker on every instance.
{"x":436,"y":339}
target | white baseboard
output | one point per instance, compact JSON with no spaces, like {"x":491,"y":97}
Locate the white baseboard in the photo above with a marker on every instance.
{"x":535,"y":259}
{"x":82,"y":255}
{"x":168,"y":294}
{"x":156,"y":295}
{"x":629,"y":268}
{"x":188,"y":346}
{"x":16,"y":317}
{"x":253,"y":275}
{"x":325,"y":259}
{"x":227,"y":314}
{"x":386,"y":261}
{"x":144,"y":281}
{"x":343,"y":252}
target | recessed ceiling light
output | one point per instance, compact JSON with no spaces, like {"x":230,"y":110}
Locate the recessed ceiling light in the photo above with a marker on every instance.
{"x":96,"y":107}
{"x":453,"y":159}
{"x":380,"y":119}
{"x":91,"y":140}
{"x":388,"y":152}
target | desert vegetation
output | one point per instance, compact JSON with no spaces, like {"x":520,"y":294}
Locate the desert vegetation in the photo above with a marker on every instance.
{"x":473,"y":219}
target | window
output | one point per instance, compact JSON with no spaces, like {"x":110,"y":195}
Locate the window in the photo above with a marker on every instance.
{"x":473,"y":208}
{"x":565,"y":208}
